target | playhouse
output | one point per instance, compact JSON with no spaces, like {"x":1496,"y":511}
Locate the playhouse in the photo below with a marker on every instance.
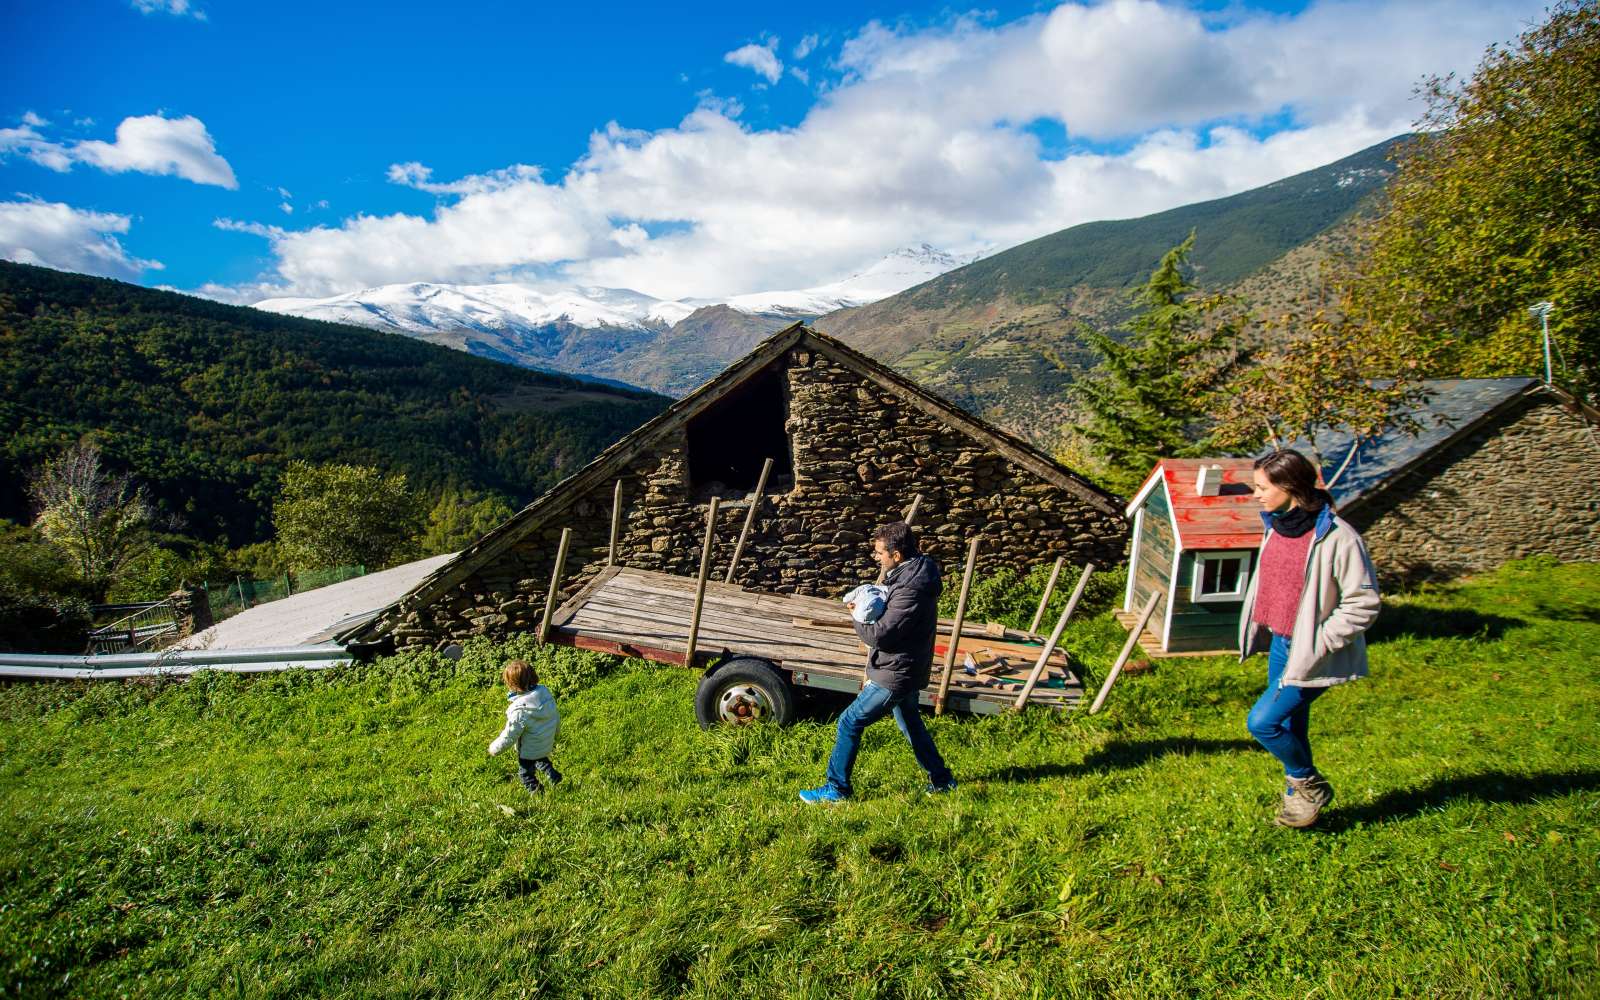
{"x":1196,"y":529}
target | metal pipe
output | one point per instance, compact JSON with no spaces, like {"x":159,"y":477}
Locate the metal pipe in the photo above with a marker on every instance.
{"x":179,"y":657}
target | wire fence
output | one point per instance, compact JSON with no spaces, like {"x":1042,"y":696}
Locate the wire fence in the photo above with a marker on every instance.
{"x":229,"y":597}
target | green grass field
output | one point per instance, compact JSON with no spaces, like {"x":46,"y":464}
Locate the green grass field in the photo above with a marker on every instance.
{"x":346,"y":834}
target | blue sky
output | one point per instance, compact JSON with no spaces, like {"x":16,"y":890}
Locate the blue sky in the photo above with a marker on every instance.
{"x":702,"y":150}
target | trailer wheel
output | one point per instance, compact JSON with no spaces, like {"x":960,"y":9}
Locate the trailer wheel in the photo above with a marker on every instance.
{"x":742,"y":691}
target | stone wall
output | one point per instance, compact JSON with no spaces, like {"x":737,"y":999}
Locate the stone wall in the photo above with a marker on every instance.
{"x":1523,"y":484}
{"x":860,"y":454}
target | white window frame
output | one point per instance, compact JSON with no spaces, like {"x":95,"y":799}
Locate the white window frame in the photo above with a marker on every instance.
{"x":1201,"y":558}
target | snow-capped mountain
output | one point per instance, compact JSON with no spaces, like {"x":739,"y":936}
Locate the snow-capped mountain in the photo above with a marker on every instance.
{"x":422,"y":307}
{"x":609,"y":333}
{"x":896,"y":272}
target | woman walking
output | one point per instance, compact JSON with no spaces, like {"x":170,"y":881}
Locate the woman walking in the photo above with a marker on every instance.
{"x":1313,"y":596}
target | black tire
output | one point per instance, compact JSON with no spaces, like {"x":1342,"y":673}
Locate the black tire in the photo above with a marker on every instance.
{"x":742,"y":691}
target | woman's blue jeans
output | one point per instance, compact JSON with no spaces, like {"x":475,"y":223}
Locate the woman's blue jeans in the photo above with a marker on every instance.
{"x":1280,"y":717}
{"x":872,"y":704}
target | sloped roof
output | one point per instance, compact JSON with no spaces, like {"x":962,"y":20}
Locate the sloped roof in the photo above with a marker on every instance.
{"x":612,"y":460}
{"x":1454,"y":407}
{"x":1230,"y":520}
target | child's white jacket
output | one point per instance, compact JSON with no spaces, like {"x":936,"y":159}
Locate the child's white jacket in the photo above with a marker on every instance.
{"x":532,"y":723}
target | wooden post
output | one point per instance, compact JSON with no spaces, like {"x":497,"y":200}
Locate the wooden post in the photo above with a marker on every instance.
{"x":955,"y":631}
{"x":700,"y":585}
{"x":749,"y":519}
{"x":1049,"y":589}
{"x":555,"y":583}
{"x":908,"y":517}
{"x":616,"y":523}
{"x":242,"y":599}
{"x":1066,"y":614}
{"x":1127,"y":651}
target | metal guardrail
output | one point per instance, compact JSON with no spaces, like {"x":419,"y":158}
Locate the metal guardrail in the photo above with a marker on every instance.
{"x":177,"y":663}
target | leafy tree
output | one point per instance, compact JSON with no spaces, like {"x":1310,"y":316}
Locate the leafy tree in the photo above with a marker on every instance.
{"x":1495,"y":209}
{"x":338,"y":515}
{"x":29,"y":564}
{"x":1314,"y":385}
{"x":102,"y":521}
{"x":461,"y":518}
{"x":1148,"y":395}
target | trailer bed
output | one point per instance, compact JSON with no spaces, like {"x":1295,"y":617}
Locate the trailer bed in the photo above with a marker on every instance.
{"x":641,"y":613}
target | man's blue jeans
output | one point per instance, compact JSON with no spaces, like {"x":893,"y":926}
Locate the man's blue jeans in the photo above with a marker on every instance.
{"x":1282,"y":715}
{"x":872,"y":704}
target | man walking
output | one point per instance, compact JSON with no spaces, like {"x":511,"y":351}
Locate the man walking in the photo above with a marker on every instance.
{"x":901,"y":657}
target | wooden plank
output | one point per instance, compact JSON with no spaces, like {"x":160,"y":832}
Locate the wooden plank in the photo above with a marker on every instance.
{"x":555,"y":583}
{"x":955,"y":628}
{"x":749,"y":518}
{"x":1049,"y":588}
{"x":671,"y":633}
{"x":1055,"y":637}
{"x":700,"y":583}
{"x":570,"y":608}
{"x":616,"y":523}
{"x":726,"y":623}
{"x":1127,"y":651}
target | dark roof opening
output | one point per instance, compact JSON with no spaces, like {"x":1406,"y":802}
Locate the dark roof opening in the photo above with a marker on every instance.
{"x":729,"y":441}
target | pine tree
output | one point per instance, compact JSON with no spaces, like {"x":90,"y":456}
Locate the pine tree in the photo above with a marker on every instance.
{"x":1146,"y":398}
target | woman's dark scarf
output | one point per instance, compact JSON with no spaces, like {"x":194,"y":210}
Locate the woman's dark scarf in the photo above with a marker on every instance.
{"x":1296,"y":521}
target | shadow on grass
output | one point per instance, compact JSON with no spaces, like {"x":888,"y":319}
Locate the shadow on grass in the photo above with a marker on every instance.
{"x":1398,"y":620}
{"x":1580,"y":613}
{"x":1491,"y":786}
{"x":1118,"y":755}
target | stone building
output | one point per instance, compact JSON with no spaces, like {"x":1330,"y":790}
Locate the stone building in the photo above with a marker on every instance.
{"x":1503,"y":469}
{"x":851,"y":442}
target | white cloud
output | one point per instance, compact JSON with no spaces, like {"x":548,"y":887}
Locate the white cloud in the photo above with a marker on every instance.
{"x":923,"y":135}
{"x":287,"y":208}
{"x":56,"y":235}
{"x":762,"y":59}
{"x":32,"y":120}
{"x":177,"y":8}
{"x":806,"y":46}
{"x":149,"y":144}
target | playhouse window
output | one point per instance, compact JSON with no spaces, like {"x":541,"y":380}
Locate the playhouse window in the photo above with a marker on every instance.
{"x":729,"y":441}
{"x":1221,"y":576}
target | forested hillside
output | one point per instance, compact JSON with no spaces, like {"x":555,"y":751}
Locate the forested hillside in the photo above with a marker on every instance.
{"x":207,"y":403}
{"x":1004,"y":336}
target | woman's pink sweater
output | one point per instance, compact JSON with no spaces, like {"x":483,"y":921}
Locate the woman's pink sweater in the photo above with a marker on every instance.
{"x":1283,"y":578}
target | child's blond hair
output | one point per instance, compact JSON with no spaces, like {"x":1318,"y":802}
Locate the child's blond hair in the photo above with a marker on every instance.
{"x":520,"y":675}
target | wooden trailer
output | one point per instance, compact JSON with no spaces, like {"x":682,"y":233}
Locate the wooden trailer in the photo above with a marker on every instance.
{"x":757,"y":648}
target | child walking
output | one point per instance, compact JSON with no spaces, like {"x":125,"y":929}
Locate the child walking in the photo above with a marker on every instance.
{"x":532,"y":723}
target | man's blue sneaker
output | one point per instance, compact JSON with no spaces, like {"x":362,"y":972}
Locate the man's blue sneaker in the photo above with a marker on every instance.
{"x":933,"y":789}
{"x":818,"y":796}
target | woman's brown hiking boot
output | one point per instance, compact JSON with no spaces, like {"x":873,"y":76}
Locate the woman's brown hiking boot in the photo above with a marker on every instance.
{"x":1303,"y":801}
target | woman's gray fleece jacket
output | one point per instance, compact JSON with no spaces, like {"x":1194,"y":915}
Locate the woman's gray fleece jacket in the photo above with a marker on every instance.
{"x":532,"y":723}
{"x":1339,"y":603}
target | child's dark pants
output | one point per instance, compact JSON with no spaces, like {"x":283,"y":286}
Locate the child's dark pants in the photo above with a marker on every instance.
{"x":529,"y":771}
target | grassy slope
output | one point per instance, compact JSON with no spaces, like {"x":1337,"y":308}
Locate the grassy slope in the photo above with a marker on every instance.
{"x":344,"y":836}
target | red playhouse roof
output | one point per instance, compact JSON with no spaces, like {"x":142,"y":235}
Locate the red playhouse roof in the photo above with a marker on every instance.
{"x":1230,"y":520}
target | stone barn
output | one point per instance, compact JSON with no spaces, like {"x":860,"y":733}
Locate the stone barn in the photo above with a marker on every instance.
{"x":1504,"y":468}
{"x":852,"y":443}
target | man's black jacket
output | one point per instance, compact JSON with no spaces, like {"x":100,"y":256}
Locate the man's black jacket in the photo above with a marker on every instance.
{"x":902,"y":640}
